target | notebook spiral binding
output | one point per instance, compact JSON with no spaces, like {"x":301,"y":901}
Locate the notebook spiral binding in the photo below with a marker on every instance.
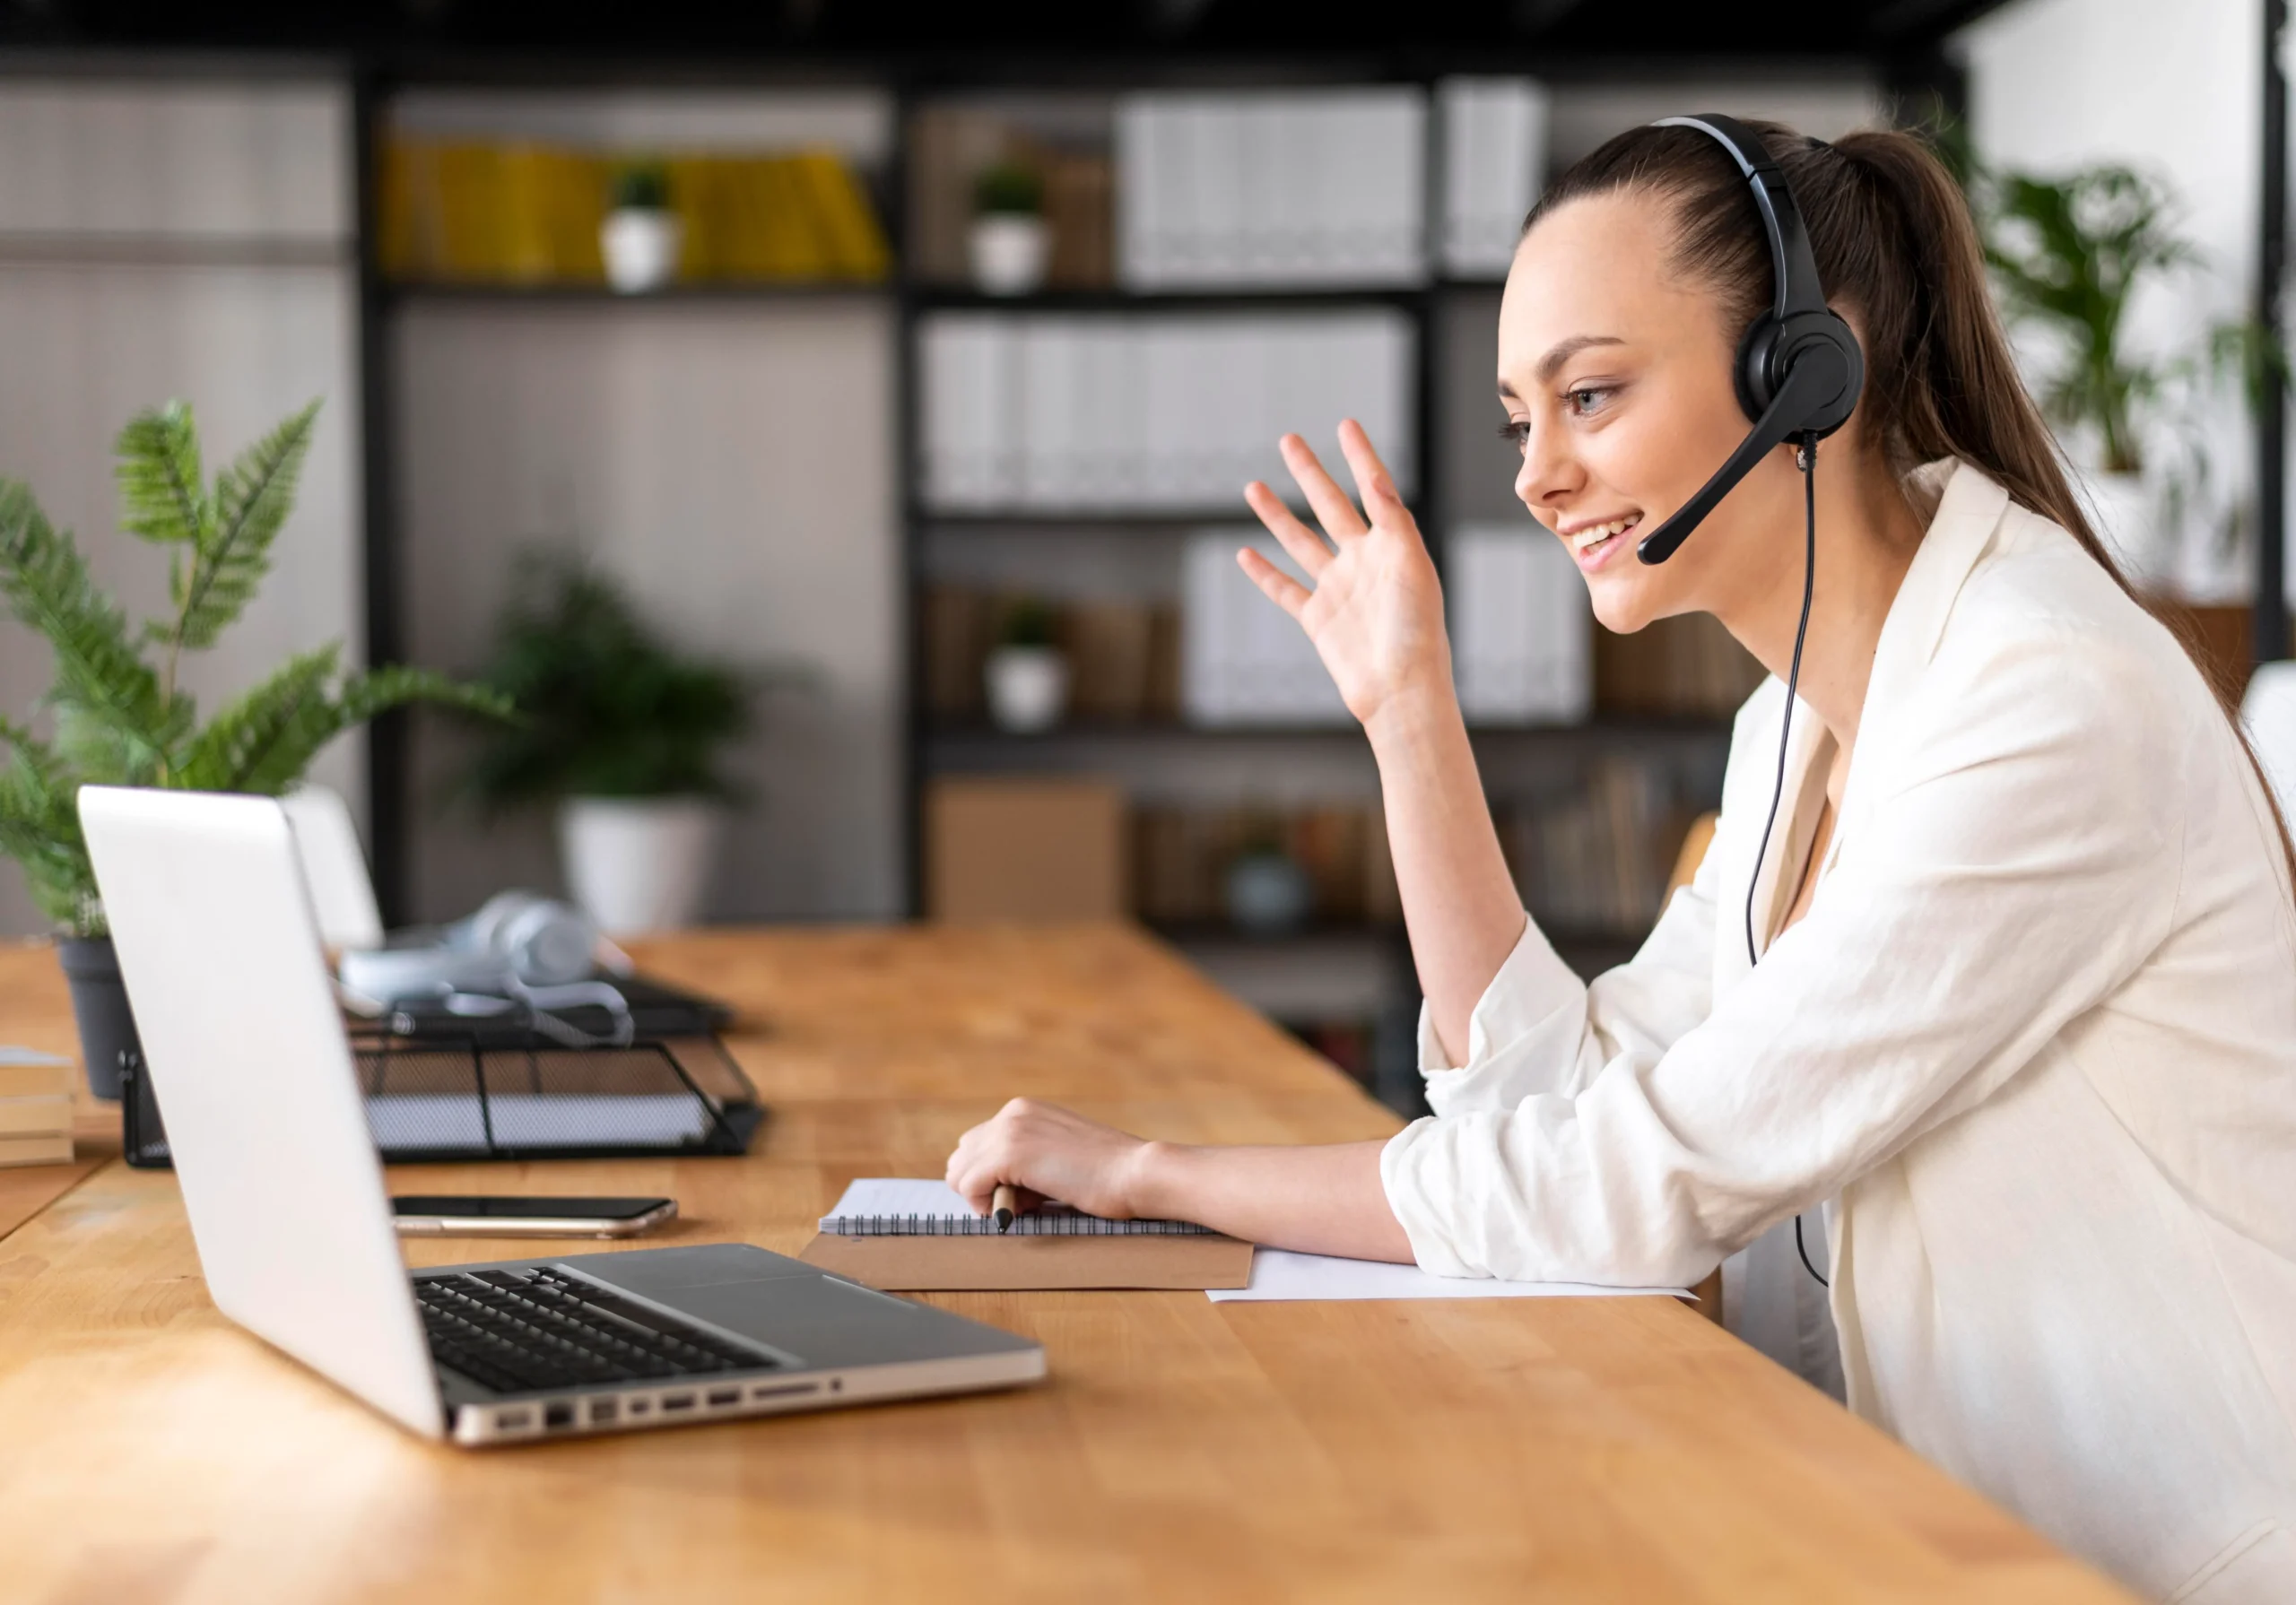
{"x":1040,"y":1223}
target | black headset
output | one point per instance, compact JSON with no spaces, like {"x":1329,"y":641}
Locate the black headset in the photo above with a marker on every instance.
{"x":1799,"y":374}
{"x":1800,"y":369}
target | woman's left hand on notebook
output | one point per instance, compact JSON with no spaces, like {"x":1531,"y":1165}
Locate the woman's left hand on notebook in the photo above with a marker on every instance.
{"x":1048,"y":1152}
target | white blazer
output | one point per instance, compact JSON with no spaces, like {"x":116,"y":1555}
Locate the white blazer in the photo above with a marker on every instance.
{"x":2036,"y":1035}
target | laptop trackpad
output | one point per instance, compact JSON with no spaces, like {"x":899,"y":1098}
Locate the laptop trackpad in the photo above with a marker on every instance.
{"x":824,"y":1322}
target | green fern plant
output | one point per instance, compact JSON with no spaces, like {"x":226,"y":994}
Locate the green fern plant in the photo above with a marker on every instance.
{"x":117,"y":715}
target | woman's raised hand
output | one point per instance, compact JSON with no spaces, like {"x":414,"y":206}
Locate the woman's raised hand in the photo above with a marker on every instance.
{"x":1376,"y":613}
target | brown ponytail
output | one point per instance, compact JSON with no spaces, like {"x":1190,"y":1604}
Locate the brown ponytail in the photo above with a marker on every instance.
{"x":1896,"y":247}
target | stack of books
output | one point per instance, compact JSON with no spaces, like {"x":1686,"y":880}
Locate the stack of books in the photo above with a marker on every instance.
{"x":1594,"y":862}
{"x":1104,"y":413}
{"x":1295,"y":188}
{"x":476,"y":212}
{"x":1686,"y":667}
{"x":1243,"y":659}
{"x":1522,"y":629}
{"x":1494,"y":165}
{"x":35,"y":1108}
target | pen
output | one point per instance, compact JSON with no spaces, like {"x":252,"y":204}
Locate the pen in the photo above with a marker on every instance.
{"x":1004,"y":1204}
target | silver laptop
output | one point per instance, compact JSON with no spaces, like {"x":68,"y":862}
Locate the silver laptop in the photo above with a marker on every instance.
{"x":247,"y":1051}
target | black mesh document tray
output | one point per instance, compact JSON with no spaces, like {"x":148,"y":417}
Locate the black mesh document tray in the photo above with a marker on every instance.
{"x":496,"y":1093}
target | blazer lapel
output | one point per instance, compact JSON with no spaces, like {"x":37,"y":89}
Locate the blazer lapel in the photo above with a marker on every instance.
{"x":1969,"y":510}
{"x":1961,"y":532}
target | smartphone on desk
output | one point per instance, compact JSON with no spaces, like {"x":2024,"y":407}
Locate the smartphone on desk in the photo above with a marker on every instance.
{"x":477,"y":1216}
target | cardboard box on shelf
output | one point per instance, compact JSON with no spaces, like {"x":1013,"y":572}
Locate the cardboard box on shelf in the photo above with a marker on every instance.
{"x":1025,"y":849}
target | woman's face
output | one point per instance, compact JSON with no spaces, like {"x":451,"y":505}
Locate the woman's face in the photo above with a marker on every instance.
{"x":1616,"y":380}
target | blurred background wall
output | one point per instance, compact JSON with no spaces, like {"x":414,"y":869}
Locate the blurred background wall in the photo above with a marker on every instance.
{"x":169,"y":239}
{"x":2175,"y":90}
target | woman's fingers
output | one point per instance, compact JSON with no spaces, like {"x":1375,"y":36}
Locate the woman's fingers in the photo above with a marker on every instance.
{"x":1306,"y":547}
{"x":1333,"y":509}
{"x":975,"y":1169}
{"x":1276,"y":585}
{"x":987,"y":1154}
{"x":1373,"y":482}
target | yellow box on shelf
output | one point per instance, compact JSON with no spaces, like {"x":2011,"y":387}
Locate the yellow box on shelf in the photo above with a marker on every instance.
{"x":525,"y":213}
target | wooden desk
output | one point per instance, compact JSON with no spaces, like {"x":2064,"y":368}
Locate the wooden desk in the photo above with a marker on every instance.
{"x":150,"y":1454}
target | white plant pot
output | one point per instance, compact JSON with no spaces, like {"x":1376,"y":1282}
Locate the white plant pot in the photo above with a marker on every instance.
{"x":641,"y":246}
{"x":1027,"y":688}
{"x":1009,"y":252}
{"x":2129,"y":522}
{"x":639,"y":864}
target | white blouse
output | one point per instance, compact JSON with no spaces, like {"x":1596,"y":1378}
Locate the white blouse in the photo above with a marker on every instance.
{"x":2035,"y":1035}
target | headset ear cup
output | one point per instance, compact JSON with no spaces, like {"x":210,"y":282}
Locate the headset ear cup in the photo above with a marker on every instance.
{"x":1756,"y":382}
{"x":1771,"y":350}
{"x":1824,"y":337}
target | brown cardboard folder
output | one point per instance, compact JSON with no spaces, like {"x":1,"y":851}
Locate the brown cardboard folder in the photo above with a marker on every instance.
{"x":929,"y":1264}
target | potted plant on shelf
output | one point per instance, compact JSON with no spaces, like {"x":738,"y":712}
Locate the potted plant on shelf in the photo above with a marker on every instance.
{"x":117,"y":716}
{"x":620,"y":733}
{"x":1267,"y":892}
{"x":2069,"y":255}
{"x":1027,"y":676}
{"x":1010,"y":242}
{"x":642,"y":235}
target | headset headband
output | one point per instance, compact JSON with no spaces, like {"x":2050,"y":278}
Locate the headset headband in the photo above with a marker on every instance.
{"x":1794,"y":265}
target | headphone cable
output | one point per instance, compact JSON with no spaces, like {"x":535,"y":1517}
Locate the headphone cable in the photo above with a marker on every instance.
{"x":1807,"y":458}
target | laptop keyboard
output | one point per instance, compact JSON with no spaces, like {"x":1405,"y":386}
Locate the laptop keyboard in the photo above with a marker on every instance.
{"x":519,"y":1330}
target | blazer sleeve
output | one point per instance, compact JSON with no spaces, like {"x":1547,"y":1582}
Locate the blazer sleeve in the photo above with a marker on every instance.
{"x":2020,"y":863}
{"x":1539,"y":1027}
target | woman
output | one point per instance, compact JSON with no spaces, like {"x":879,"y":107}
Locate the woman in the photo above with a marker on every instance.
{"x":2023,"y":1020}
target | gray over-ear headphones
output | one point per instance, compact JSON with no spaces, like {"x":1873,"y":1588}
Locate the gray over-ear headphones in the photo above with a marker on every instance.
{"x":1799,"y":370}
{"x":519,"y":938}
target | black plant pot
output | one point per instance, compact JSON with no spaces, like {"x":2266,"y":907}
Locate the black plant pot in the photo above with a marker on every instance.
{"x":99,"y":1007}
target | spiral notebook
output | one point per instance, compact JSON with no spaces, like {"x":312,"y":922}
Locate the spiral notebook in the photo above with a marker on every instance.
{"x":908,"y":1235}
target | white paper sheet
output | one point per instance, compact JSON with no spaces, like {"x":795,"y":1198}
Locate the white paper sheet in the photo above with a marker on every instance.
{"x":874,"y":1195}
{"x":1280,"y":1275}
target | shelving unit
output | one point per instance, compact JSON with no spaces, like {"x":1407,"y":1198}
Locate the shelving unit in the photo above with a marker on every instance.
{"x":1516,"y":760}
{"x":1148,"y":751}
